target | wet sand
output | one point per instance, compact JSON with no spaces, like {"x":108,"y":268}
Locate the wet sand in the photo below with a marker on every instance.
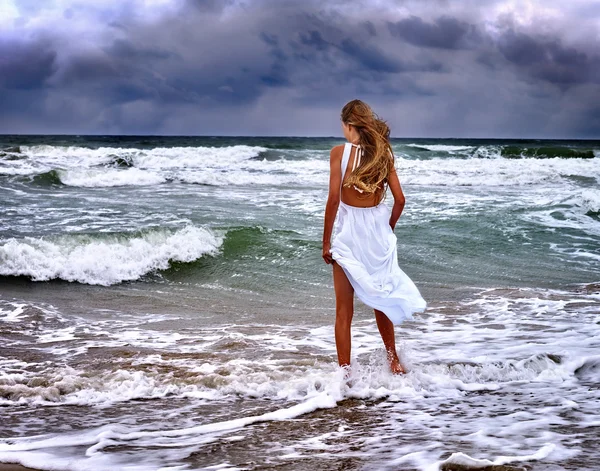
{"x":14,"y":467}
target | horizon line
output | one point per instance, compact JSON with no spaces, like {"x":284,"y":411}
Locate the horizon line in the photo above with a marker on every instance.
{"x":297,"y":136}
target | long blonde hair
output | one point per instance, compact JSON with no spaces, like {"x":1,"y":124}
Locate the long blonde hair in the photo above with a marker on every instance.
{"x":377,"y":160}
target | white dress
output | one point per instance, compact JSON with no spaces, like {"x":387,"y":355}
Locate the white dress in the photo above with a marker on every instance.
{"x":364,"y":245}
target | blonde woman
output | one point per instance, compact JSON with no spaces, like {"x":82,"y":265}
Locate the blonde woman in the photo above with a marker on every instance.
{"x":363,"y":251}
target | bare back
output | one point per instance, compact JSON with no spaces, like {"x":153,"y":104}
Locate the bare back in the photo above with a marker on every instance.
{"x":350,"y":195}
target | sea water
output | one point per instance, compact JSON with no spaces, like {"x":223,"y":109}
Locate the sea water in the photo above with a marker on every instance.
{"x":164,"y":305}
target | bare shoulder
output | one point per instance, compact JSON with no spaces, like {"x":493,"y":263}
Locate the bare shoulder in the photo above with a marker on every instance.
{"x":336,"y":152}
{"x":393,"y":166}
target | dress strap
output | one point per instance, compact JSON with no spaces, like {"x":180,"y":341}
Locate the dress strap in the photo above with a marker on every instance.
{"x":357,"y":157}
{"x":345,"y":158}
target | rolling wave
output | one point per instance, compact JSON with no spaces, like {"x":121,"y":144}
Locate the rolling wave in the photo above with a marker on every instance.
{"x":11,"y":149}
{"x":441,"y":147}
{"x":49,"y":178}
{"x":494,"y":172}
{"x":245,"y":165}
{"x":547,"y":152}
{"x":427,"y":151}
{"x":98,"y":177}
{"x":158,"y":157}
{"x":104,"y":259}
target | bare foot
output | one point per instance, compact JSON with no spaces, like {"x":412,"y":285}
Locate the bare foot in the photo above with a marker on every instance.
{"x":395,"y":366}
{"x":348,"y":379}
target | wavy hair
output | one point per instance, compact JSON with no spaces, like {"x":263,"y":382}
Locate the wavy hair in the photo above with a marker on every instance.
{"x":377,"y":160}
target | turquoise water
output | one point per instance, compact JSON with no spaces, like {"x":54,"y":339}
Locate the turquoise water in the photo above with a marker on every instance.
{"x":184,"y":275}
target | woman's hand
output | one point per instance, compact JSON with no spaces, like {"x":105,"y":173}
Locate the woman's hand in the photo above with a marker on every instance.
{"x":327,"y":254}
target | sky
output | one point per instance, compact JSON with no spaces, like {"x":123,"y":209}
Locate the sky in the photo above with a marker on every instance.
{"x":430,"y":68}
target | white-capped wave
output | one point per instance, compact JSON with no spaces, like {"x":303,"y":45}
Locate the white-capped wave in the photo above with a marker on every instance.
{"x":20,"y":168}
{"x":241,"y":165}
{"x":442,"y":147}
{"x":589,"y":200}
{"x":107,"y":260}
{"x":240,"y":178}
{"x":493,"y":172}
{"x":193,"y":157}
{"x":40,"y":159}
{"x":237,"y":165}
{"x":311,"y":172}
{"x":488,"y":152}
{"x":71,"y":156}
{"x":108,"y":177}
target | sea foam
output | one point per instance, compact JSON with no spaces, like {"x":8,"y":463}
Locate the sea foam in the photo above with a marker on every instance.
{"x":441,"y":147}
{"x":109,"y":177}
{"x":243,"y":165}
{"x":494,"y":172}
{"x":589,"y":200}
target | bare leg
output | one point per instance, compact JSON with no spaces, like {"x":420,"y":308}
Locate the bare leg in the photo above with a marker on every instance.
{"x":344,"y":310}
{"x":386,"y":329}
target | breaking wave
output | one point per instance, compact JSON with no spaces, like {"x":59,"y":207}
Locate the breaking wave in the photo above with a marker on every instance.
{"x":104,"y":259}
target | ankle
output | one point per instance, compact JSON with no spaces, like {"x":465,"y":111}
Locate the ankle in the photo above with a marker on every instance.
{"x":392,"y":355}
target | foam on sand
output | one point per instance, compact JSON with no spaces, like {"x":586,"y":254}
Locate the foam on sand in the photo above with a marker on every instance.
{"x":453,"y":400}
{"x":466,"y":461}
{"x":30,"y":451}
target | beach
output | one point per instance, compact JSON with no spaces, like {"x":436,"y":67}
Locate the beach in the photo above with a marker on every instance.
{"x":164,"y":305}
{"x":13,"y":467}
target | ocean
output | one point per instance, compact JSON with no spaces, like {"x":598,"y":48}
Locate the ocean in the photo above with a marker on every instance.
{"x":164,"y":306}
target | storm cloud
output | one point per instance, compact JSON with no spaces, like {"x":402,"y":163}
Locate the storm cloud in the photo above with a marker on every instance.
{"x":431,"y":68}
{"x":443,"y":33}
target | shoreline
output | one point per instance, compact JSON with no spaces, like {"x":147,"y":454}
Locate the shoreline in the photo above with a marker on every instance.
{"x":15,"y":467}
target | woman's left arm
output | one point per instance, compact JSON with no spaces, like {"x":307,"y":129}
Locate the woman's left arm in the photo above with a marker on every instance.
{"x":399,"y":200}
{"x":333,"y":200}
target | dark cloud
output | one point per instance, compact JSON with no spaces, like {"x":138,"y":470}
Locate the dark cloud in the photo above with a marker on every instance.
{"x":314,"y":39}
{"x":126,"y":50}
{"x":87,"y":68}
{"x":209,"y":6}
{"x":370,"y":27}
{"x":443,"y":33}
{"x":370,"y":57}
{"x":521,"y":49}
{"x":549,"y":60}
{"x":225,"y":67}
{"x":270,"y":39}
{"x":278,"y":73}
{"x":589,"y":121}
{"x":25,"y":64}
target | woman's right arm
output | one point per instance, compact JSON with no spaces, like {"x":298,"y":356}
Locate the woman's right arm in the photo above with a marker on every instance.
{"x":333,"y":199}
{"x":399,"y":200}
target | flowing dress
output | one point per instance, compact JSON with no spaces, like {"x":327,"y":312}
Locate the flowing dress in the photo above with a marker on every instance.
{"x":364,"y":245}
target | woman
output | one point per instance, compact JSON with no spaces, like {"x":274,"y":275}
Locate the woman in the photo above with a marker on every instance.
{"x":363,"y":252}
